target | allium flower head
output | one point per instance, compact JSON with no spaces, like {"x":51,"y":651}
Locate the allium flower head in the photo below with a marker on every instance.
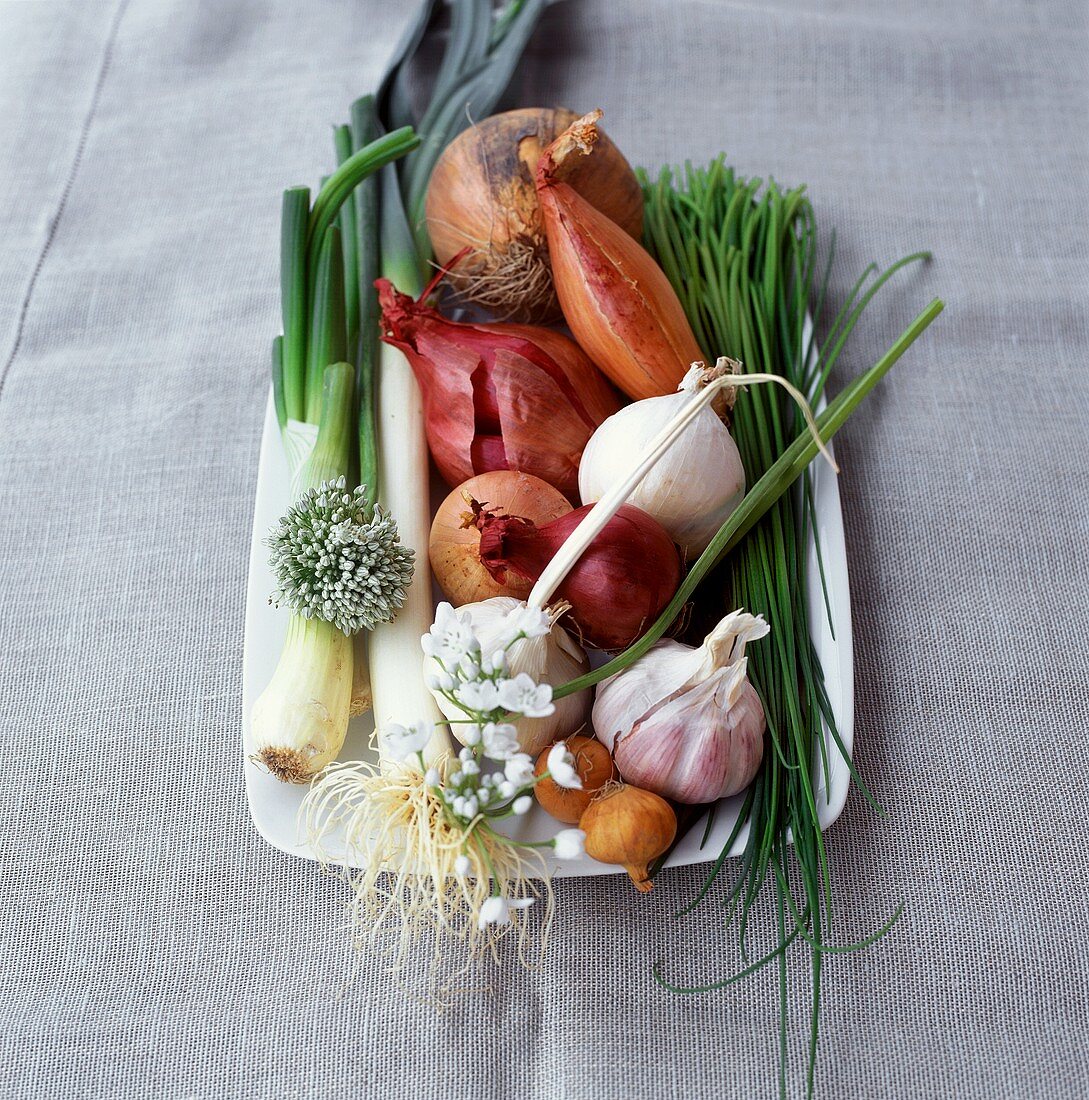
{"x":335,"y":560}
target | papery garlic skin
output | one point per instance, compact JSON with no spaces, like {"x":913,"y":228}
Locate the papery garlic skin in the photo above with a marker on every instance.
{"x":553,"y":658}
{"x":693,"y":488}
{"x":685,"y":722}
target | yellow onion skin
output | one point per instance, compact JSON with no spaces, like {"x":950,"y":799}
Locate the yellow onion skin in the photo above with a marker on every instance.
{"x":454,"y":545}
{"x":629,"y":826}
{"x":617,"y":301}
{"x":595,"y":768}
{"x":482,"y":197}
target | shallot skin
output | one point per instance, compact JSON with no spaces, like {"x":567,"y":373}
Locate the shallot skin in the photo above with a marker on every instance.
{"x":617,"y":301}
{"x":498,"y":396}
{"x":617,"y":588}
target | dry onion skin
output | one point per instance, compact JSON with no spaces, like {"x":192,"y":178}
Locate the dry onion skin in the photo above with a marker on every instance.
{"x":482,"y":197}
{"x":595,"y":768}
{"x":454,"y":546}
{"x":618,"y":302}
{"x":628,"y":826}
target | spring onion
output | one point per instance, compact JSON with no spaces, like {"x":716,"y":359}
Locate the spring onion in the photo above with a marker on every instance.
{"x":299,"y":722}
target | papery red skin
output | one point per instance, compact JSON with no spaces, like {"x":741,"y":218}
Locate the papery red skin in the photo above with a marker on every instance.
{"x":617,"y":588}
{"x":498,"y":397}
{"x":617,"y":301}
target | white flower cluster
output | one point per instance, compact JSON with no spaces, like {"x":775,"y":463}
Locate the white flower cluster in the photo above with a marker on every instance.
{"x":473,"y":792}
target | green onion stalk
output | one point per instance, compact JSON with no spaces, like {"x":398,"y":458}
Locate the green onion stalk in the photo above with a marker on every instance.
{"x":742,"y":258}
{"x":335,"y":555}
{"x":338,"y":560}
{"x":387,"y":234}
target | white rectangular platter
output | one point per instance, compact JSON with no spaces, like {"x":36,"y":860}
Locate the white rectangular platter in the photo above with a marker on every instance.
{"x":275,"y":806}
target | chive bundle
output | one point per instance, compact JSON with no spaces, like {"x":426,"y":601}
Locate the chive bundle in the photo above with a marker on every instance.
{"x":742,"y":257}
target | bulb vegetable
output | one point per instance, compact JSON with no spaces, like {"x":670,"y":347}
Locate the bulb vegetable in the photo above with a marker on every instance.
{"x":684,"y":721}
{"x":328,"y":544}
{"x":617,"y":300}
{"x":630,"y":827}
{"x":594,"y":767}
{"x":548,"y":655}
{"x":618,"y":585}
{"x":482,"y":199}
{"x":498,"y":397}
{"x":698,"y":483}
{"x":454,"y":546}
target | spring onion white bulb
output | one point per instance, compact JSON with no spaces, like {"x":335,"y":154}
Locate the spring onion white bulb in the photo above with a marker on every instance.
{"x":299,"y":721}
{"x":694,"y":488}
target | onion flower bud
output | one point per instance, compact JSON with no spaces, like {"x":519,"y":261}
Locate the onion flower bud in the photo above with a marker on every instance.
{"x":496,"y":396}
{"x":685,"y":722}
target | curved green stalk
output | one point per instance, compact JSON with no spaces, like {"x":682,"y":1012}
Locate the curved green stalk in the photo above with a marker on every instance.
{"x":781,"y":475}
{"x":349,"y":175}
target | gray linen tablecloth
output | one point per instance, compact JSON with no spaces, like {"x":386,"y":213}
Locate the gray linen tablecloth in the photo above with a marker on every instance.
{"x":152,"y":944}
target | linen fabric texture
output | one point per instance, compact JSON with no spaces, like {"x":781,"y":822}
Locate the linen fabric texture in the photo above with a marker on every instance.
{"x":153,"y":945}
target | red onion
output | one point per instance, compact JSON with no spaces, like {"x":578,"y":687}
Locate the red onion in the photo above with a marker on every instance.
{"x":616,"y":589}
{"x":498,"y":397}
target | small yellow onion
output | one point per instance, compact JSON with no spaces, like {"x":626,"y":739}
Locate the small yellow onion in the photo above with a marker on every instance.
{"x":595,"y":768}
{"x":628,"y":826}
{"x":454,"y":546}
{"x":482,"y":197}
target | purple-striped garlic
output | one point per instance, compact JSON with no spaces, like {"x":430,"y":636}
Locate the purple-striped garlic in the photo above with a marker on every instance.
{"x":684,"y":721}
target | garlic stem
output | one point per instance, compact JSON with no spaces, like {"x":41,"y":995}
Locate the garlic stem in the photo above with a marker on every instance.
{"x":607,"y":507}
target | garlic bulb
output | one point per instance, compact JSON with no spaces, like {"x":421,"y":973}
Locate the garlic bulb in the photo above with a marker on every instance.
{"x":553,"y":658}
{"x":685,"y":722}
{"x":696,"y":485}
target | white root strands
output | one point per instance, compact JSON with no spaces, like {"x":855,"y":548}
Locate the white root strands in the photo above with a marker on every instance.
{"x":405,"y":890}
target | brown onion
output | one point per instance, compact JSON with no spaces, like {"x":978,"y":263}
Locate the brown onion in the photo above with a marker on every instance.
{"x":629,"y":826}
{"x":482,"y":197}
{"x":618,"y":302}
{"x":595,"y":768}
{"x":618,"y":586}
{"x":454,"y":546}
